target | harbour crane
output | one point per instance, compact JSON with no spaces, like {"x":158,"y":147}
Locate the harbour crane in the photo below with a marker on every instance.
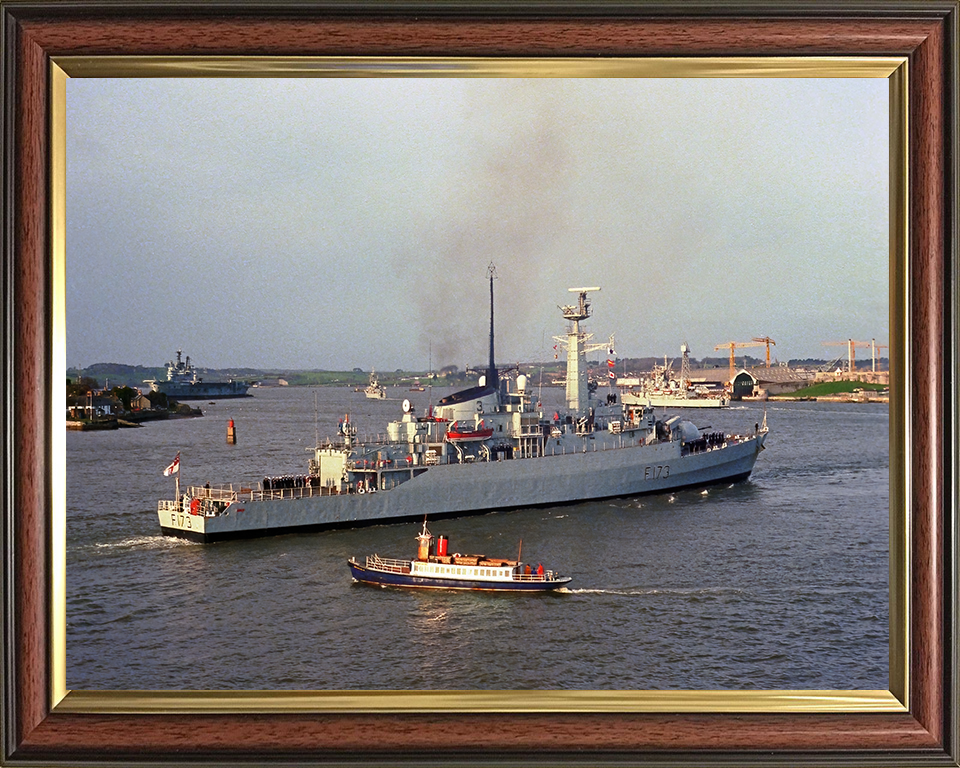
{"x":875,"y":348}
{"x":851,"y":346}
{"x":733,"y":345}
{"x":768,"y":341}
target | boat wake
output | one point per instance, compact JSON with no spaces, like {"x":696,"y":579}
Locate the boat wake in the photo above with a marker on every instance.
{"x":145,"y":542}
{"x":706,"y":591}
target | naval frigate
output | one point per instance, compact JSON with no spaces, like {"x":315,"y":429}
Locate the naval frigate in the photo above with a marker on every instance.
{"x":480,"y":449}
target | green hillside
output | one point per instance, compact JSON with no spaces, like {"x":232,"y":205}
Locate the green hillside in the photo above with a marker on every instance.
{"x":827,"y":388}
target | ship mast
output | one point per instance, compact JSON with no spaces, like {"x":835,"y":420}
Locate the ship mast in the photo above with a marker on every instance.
{"x":578,"y":392}
{"x":492,"y":376}
{"x":684,"y":369}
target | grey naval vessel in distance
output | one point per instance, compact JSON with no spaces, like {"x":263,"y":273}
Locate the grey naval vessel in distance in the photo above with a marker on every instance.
{"x":478,"y":450}
{"x":183,"y":383}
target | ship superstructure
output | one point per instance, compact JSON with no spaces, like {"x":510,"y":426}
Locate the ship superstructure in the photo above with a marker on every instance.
{"x":375,"y":390}
{"x":184,"y":383}
{"x":662,"y":389}
{"x":484,"y":448}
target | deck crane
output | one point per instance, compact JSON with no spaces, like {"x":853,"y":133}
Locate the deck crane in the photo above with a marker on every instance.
{"x":733,"y":345}
{"x":768,"y":341}
{"x":851,"y":346}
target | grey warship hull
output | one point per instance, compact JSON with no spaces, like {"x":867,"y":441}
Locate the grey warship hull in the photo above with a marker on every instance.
{"x":462,"y":489}
{"x":203,"y":390}
{"x":481,"y":449}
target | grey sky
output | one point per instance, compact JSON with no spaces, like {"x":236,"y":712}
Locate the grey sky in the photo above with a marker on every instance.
{"x":333,"y":223}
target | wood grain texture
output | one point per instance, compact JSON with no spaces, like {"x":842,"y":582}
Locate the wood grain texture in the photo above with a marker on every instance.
{"x":437,"y":37}
{"x":74,"y":30}
{"x":928,"y":243}
{"x":30,"y":354}
{"x":452,"y":734}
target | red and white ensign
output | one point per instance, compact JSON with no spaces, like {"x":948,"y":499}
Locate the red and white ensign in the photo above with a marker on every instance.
{"x":174,"y":467}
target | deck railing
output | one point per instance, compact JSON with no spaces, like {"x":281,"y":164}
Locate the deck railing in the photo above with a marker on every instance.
{"x":545,"y":576}
{"x":388,"y":564}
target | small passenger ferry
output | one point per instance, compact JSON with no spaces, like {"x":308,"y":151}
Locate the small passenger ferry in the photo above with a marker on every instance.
{"x":440,"y":570}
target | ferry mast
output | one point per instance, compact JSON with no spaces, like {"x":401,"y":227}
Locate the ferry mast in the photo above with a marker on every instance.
{"x":578,"y":392}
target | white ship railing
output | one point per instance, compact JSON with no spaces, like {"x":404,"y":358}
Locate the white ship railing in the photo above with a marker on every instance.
{"x":545,"y":576}
{"x":388,"y":564}
{"x":229,"y":494}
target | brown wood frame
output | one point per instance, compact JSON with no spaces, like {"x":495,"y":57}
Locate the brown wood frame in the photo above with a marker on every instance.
{"x":925,"y":32}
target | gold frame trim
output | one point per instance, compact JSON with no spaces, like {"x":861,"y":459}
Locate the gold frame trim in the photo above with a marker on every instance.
{"x":418,"y":66}
{"x":447,"y":702}
{"x":895,"y":69}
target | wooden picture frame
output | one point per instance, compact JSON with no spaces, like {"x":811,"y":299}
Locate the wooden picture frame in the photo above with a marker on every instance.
{"x":37,"y":730}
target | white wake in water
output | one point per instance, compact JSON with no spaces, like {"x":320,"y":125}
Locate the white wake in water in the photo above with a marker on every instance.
{"x":145,"y":542}
{"x":654,"y":591}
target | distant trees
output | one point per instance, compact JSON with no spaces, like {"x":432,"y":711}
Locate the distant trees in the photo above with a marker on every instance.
{"x":81,"y":386}
{"x":158,"y":399}
{"x":125,"y":395}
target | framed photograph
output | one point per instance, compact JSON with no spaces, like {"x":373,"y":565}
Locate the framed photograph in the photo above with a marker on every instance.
{"x":48,"y":45}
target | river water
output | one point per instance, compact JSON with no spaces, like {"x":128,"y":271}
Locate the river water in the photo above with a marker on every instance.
{"x":780,"y":582}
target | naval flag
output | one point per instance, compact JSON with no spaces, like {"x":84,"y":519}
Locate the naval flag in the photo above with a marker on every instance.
{"x":174,"y":467}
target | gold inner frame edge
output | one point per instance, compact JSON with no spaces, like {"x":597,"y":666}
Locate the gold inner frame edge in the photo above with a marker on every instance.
{"x":665,"y":701}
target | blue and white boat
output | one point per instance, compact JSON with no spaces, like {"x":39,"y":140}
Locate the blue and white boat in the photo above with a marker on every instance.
{"x":434,"y":568}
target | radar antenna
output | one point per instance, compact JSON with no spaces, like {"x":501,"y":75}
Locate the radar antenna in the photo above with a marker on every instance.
{"x":581,"y":310}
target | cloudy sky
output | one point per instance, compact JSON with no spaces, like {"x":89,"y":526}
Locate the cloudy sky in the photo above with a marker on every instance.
{"x":332,"y":223}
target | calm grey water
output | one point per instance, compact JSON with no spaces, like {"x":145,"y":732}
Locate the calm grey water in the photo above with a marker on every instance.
{"x":779,"y":582}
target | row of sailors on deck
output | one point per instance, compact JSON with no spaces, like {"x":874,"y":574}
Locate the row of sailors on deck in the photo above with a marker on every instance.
{"x":289,"y":481}
{"x":710,"y":440}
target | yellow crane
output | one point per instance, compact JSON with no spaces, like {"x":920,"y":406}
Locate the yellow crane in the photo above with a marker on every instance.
{"x":875,"y":348}
{"x":733,"y":345}
{"x":768,"y":341}
{"x":851,"y":346}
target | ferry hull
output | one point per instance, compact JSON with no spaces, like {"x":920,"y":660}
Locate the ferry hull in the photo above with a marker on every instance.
{"x":455,"y":490}
{"x":389,"y":579}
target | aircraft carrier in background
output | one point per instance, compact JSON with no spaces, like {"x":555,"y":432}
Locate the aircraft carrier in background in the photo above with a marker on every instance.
{"x":183,"y":383}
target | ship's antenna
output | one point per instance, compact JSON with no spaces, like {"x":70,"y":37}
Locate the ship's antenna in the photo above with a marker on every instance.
{"x":316,"y":422}
{"x":492,"y":378}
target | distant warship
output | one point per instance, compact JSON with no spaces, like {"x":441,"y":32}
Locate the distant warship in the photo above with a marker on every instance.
{"x":661,"y":389}
{"x":183,"y":383}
